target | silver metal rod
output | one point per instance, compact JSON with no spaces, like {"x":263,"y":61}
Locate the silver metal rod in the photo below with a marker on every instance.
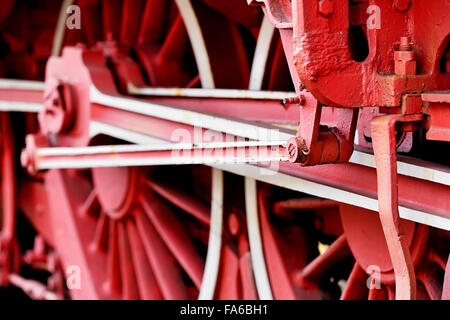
{"x":118,"y":149}
{"x":210,"y":93}
{"x":144,"y":162}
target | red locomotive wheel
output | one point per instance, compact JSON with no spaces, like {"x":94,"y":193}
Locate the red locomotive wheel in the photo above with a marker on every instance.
{"x":343,"y":252}
{"x":147,"y":233}
{"x":136,"y":236}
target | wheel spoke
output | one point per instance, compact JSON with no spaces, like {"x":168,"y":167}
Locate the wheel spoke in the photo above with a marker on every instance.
{"x":436,"y":258}
{"x":279,"y":278}
{"x":176,"y":42}
{"x":431,"y":284}
{"x":154,"y":22}
{"x":130,"y":289}
{"x":91,"y":15}
{"x":90,"y":205}
{"x":111,"y":17}
{"x":194,"y":83}
{"x":336,"y":252}
{"x":356,"y":288}
{"x":248,"y":283}
{"x":148,"y":287}
{"x":130,"y":21}
{"x":101,"y":233}
{"x":182,"y":200}
{"x":174,"y":235}
{"x":167,"y":272}
{"x":378,"y":293}
{"x":391,"y":292}
{"x":114,"y":283}
{"x":228,"y":287}
{"x":279,"y":70}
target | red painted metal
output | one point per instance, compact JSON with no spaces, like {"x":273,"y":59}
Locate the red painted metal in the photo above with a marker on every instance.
{"x":320,"y":144}
{"x":363,"y":181}
{"x":134,"y":231}
{"x":437,"y":106}
{"x":361,"y":237}
{"x":383,"y":134}
{"x":324,"y":57}
{"x":354,"y":290}
{"x":33,"y":160}
{"x":33,"y":96}
{"x":337,"y":66}
{"x":8,"y":210}
{"x":336,"y":252}
{"x":363,"y":227}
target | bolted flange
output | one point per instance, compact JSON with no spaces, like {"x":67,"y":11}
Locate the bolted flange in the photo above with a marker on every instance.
{"x":297,"y":150}
{"x":57,"y":114}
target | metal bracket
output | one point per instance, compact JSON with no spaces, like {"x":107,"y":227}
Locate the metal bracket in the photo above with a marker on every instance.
{"x":384,"y":144}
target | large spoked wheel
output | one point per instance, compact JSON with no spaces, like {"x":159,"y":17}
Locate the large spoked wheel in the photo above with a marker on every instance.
{"x":138,"y":234}
{"x":157,"y":233}
{"x":320,"y":249}
{"x":133,"y":236}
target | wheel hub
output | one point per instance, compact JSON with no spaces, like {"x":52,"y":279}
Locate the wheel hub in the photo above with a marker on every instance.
{"x":115,"y":189}
{"x":366,"y":239}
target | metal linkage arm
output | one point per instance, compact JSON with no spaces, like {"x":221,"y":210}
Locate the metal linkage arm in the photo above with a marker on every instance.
{"x":36,"y":158}
{"x":384,"y":144}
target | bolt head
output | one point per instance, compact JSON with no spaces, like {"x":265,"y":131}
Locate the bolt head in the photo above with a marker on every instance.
{"x":404,"y":55}
{"x":326,"y":7}
{"x":56,"y":117}
{"x":405,"y":67}
{"x":295,"y":149}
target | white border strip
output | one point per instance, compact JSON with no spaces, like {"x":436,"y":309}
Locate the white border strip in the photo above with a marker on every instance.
{"x":211,"y":270}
